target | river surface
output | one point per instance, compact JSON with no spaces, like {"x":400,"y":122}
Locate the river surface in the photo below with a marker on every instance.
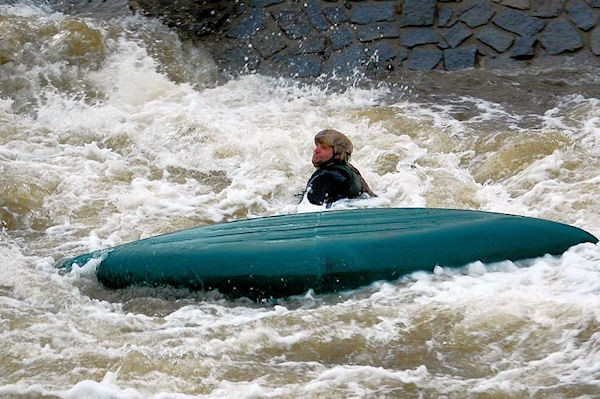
{"x":112,"y":130}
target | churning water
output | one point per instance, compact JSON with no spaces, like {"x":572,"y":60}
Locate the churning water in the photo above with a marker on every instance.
{"x":112,"y":130}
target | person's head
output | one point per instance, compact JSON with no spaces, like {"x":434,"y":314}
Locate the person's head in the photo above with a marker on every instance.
{"x":331,"y":144}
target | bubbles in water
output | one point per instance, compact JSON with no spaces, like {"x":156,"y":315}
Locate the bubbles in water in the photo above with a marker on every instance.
{"x":112,"y":130}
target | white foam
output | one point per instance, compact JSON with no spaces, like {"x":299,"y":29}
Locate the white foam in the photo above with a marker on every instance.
{"x":363,"y":381}
{"x":27,"y":9}
{"x":151,"y":155}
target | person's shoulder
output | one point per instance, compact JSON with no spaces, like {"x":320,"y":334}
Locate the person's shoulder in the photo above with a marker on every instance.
{"x":331,"y":173}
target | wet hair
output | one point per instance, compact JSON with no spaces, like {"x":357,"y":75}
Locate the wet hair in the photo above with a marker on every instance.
{"x":341,"y":144}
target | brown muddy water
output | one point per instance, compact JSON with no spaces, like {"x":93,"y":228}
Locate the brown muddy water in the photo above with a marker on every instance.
{"x":112,"y":130}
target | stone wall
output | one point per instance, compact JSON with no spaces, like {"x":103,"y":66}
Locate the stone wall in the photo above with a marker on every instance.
{"x":308,"y":38}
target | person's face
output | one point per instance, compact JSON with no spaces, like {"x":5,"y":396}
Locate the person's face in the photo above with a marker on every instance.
{"x":322,"y":153}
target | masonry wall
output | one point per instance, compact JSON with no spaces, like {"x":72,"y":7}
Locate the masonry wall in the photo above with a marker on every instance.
{"x":308,"y":38}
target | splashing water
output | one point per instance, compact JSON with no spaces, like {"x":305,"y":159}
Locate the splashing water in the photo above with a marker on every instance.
{"x":112,"y":130}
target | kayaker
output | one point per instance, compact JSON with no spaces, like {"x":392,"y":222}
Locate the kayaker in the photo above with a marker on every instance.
{"x":335,"y":178}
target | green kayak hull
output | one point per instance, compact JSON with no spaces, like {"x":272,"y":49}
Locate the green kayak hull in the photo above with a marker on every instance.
{"x":279,"y":256}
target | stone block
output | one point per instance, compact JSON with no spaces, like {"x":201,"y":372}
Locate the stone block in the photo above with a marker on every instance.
{"x":402,"y":55}
{"x":340,"y":37}
{"x":382,"y":30}
{"x":520,"y":4}
{"x":336,"y":15}
{"x":346,"y":62}
{"x":239,"y":58}
{"x":249,"y":25}
{"x":503,"y":63}
{"x":460,"y":58}
{"x":581,"y":14}
{"x":477,"y":15}
{"x":547,"y":8}
{"x":444,"y":17}
{"x":371,"y":13}
{"x":381,"y":51}
{"x":457,"y":34}
{"x":595,"y":41}
{"x":418,"y":13}
{"x":560,"y":36}
{"x":292,"y":22}
{"x":424,"y":59}
{"x":495,"y":38}
{"x":523,"y":48}
{"x":518,"y":22}
{"x":313,"y":43}
{"x":265,"y":3}
{"x":315,"y":15}
{"x":303,"y":66}
{"x":268,"y":43}
{"x":412,"y":37}
{"x":443,"y":44}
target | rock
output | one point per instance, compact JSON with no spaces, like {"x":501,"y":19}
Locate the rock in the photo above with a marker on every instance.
{"x":292,"y":22}
{"x":560,"y":36}
{"x":547,"y":8}
{"x":238,"y":59}
{"x":303,"y":66}
{"x":582,"y":59}
{"x":367,"y":33}
{"x":520,"y":4}
{"x":494,"y":38}
{"x":315,"y":16}
{"x":503,"y":63}
{"x":444,"y":16}
{"x":346,"y":62}
{"x":442,"y":44}
{"x":524,"y":48}
{"x":518,"y":22}
{"x":418,"y":13}
{"x":272,"y":35}
{"x":581,"y":14}
{"x":370,"y":13}
{"x":336,"y":15}
{"x":313,"y":43}
{"x":265,"y":3}
{"x":477,"y":15}
{"x":415,"y":36}
{"x":460,"y":58}
{"x":340,"y":37}
{"x":402,"y":55}
{"x":457,"y":34}
{"x":595,"y":41}
{"x":248,"y":26}
{"x":268,"y":43}
{"x":380,"y":51}
{"x":424,"y":60}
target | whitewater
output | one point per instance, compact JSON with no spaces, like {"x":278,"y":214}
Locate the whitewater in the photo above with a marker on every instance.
{"x":113,"y":130}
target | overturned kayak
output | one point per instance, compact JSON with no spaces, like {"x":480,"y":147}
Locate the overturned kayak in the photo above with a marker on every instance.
{"x":278,"y":256}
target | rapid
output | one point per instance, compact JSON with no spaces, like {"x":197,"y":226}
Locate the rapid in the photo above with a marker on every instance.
{"x":112,"y":130}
